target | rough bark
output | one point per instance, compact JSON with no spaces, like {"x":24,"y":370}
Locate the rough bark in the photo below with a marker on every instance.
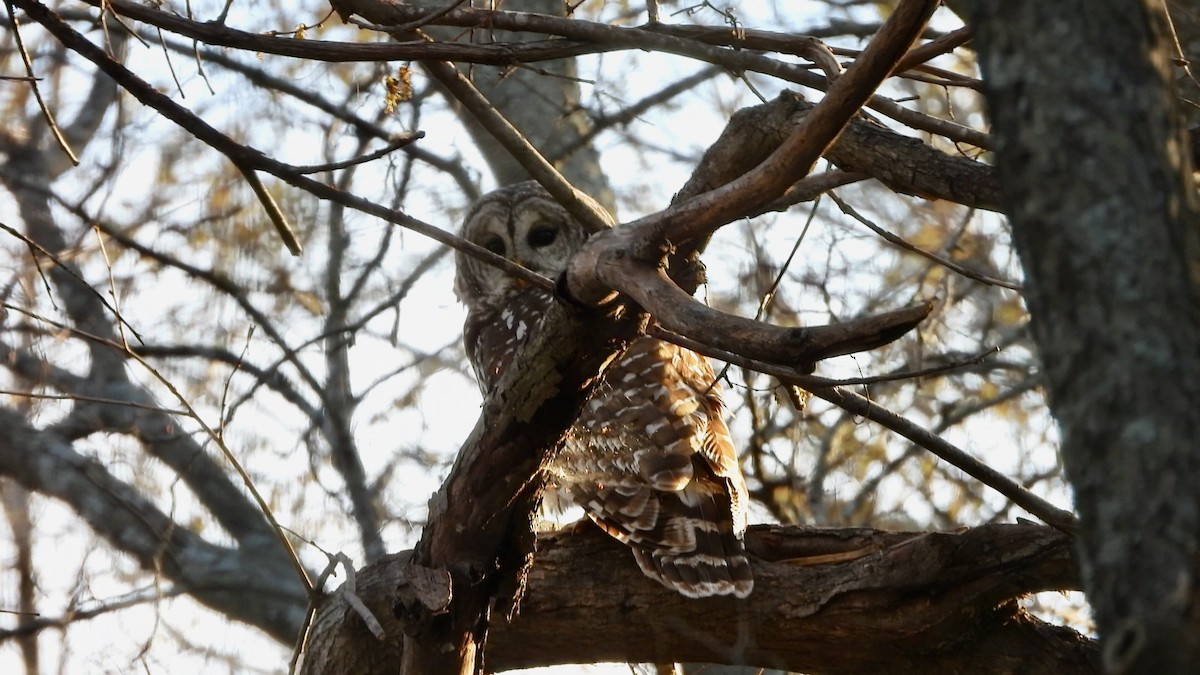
{"x":1096,"y":181}
{"x":480,"y":528}
{"x":825,"y":601}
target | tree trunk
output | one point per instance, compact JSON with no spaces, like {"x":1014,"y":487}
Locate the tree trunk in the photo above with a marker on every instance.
{"x":1096,"y":181}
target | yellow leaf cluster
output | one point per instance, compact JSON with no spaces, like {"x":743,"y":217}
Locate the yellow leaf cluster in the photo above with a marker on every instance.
{"x":399,"y":89}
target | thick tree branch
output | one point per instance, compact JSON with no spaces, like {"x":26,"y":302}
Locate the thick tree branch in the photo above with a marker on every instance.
{"x":794,"y":158}
{"x":253,"y":582}
{"x":902,"y":163}
{"x":480,"y":520}
{"x":825,"y":601}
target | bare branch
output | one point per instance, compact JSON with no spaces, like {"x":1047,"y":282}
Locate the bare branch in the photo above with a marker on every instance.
{"x":32,"y":79}
{"x":583,"y":208}
{"x":859,"y":405}
{"x":274,"y":213}
{"x":627,"y":259}
{"x":216,"y":576}
{"x":699,"y":216}
{"x":586,"y":37}
{"x":866,"y":408}
{"x":900,"y":243}
{"x":798,"y":347}
{"x":942,"y":45}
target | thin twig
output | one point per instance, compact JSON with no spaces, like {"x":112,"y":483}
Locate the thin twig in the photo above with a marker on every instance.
{"x":112,"y":287}
{"x":170,"y":65}
{"x":432,"y":17}
{"x":899,"y":242}
{"x":278,"y":218}
{"x":76,"y":615}
{"x":192,"y":414}
{"x":628,"y":114}
{"x":1053,"y":516}
{"x":37,"y":92}
{"x":399,"y":141}
{"x":35,"y":247}
{"x":942,"y":45}
{"x":91,"y":399}
{"x":864,"y":407}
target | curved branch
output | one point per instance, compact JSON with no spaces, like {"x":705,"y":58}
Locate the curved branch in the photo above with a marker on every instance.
{"x":797,"y":347}
{"x":795,"y":157}
{"x":627,"y":258}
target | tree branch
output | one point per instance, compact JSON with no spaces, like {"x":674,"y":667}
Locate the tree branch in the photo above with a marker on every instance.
{"x":480,"y":521}
{"x":583,"y":38}
{"x":825,"y":601}
{"x":579,"y":205}
{"x":253,"y":582}
{"x":628,"y":258}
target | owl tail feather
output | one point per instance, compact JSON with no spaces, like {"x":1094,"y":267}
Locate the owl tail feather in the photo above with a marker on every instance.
{"x":698,"y":575}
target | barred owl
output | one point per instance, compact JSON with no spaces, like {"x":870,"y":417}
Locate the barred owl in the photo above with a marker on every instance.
{"x":650,"y":459}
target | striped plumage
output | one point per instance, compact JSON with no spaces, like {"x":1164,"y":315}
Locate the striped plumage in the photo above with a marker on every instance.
{"x":650,"y":459}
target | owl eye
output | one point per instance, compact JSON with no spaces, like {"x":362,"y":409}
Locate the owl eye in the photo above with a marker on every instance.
{"x":541,"y":236}
{"x":494,"y":244}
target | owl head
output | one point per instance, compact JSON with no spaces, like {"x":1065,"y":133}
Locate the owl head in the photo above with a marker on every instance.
{"x":523,"y":223}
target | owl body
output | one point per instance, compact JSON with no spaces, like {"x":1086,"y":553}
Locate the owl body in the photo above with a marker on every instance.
{"x":650,"y":459}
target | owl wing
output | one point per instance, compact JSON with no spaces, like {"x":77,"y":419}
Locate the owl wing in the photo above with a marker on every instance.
{"x":651,"y":462}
